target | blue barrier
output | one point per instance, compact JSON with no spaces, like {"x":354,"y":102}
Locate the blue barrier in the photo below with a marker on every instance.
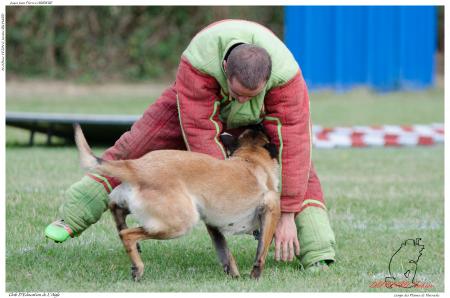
{"x":384,"y":47}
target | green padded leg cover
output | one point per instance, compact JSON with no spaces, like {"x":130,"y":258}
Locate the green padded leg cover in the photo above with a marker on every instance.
{"x":85,"y":202}
{"x":315,"y":236}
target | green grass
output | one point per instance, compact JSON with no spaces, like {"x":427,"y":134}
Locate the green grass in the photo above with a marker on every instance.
{"x":377,"y":198}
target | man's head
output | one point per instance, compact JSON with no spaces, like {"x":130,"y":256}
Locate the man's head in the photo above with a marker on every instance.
{"x":247,"y":69}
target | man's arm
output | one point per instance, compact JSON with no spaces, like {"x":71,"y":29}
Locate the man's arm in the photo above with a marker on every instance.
{"x":196,"y":94}
{"x":198,"y":108}
{"x":288,"y":124}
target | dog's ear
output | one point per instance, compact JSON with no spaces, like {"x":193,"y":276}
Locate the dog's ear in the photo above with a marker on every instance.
{"x":230,"y":142}
{"x":272,"y":148}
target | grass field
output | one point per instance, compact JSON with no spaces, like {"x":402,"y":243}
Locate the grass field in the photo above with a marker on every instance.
{"x":377,"y":198}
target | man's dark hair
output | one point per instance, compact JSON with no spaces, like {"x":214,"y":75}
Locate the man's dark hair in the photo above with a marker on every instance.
{"x":249,"y":64}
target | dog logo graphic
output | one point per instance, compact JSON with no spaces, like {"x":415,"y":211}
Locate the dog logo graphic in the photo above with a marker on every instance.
{"x":403,"y":264}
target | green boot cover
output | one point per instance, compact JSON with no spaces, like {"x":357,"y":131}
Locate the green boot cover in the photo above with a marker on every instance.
{"x":315,"y":235}
{"x":85,"y":202}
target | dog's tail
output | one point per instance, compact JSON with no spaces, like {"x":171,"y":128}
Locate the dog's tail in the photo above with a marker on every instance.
{"x":120,"y":169}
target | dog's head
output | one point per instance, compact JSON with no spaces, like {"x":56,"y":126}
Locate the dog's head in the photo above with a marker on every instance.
{"x":252,"y":140}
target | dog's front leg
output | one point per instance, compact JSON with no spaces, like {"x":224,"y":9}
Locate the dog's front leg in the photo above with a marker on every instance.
{"x":224,"y":254}
{"x":269,"y":214}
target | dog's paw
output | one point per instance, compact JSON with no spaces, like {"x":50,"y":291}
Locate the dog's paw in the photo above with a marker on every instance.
{"x":256,"y":272}
{"x":235,"y":275}
{"x":231,"y":271}
{"x":136,"y":273}
{"x":226,"y":269}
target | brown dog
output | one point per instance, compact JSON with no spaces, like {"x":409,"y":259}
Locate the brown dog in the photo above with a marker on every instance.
{"x":169,"y":191}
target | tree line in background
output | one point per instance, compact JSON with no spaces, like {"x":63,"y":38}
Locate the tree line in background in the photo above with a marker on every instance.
{"x":119,"y":43}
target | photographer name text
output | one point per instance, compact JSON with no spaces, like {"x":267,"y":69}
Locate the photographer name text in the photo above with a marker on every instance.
{"x":2,"y":46}
{"x":31,"y":3}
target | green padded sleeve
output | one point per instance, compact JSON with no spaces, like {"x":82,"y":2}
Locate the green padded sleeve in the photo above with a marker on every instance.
{"x":85,"y":202}
{"x":315,"y":235}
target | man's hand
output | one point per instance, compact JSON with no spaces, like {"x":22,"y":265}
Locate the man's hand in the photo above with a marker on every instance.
{"x":286,"y":239}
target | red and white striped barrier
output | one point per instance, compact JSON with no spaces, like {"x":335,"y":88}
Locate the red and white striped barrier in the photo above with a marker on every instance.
{"x":378,"y":136}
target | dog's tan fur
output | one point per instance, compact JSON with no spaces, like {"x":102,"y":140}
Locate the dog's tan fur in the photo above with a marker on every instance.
{"x":169,"y":191}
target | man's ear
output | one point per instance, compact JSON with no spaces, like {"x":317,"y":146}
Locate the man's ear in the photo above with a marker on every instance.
{"x":230,"y":142}
{"x":225,"y":65}
{"x":272,"y":148}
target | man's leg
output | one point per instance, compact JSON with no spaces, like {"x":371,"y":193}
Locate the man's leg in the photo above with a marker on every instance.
{"x":315,"y":235}
{"x":87,"y":199}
